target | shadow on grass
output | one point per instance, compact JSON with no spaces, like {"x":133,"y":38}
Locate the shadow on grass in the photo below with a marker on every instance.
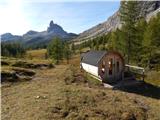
{"x":144,"y":89}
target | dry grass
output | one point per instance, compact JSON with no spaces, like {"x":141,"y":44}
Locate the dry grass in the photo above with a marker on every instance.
{"x":66,"y":93}
{"x":153,"y":77}
{"x":38,"y":54}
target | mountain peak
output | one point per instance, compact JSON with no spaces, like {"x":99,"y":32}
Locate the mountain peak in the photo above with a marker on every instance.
{"x":54,"y":27}
{"x":51,"y":23}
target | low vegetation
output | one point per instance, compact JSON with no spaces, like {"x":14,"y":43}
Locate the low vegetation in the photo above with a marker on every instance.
{"x":66,"y":92}
{"x":21,"y":69}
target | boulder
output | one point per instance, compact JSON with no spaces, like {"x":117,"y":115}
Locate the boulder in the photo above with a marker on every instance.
{"x":32,"y":65}
{"x":4,"y":62}
{"x":8,"y":76}
{"x":23,"y":71}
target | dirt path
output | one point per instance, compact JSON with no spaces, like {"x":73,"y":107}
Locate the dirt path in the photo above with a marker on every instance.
{"x":29,"y":100}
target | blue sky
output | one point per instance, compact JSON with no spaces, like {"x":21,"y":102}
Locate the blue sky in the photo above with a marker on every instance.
{"x":19,"y":16}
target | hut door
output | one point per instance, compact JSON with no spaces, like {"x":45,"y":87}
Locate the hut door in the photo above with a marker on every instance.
{"x":112,"y":68}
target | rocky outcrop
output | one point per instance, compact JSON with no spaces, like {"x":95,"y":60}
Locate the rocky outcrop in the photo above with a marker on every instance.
{"x":16,"y":75}
{"x":57,"y":30}
{"x":25,"y":64}
{"x":147,"y":8}
{"x":40,"y":38}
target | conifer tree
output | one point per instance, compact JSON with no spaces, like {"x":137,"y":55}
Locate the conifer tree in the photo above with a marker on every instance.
{"x":55,"y":50}
{"x":151,"y":39}
{"x":141,"y":28}
{"x":67,"y":52}
{"x":73,"y":48}
{"x":129,"y":15}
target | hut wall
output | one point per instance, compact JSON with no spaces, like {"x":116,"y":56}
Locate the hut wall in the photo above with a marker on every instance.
{"x":90,"y":69}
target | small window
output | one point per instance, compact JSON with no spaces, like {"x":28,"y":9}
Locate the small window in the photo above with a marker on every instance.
{"x":103,"y":70}
{"x":110,"y":66}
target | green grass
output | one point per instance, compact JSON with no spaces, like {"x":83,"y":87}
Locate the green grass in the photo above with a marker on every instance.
{"x":36,"y":54}
{"x":153,"y":77}
{"x":92,"y":80}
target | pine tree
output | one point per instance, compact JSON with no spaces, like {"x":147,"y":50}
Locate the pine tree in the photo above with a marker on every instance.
{"x":67,"y":52}
{"x":112,"y":41}
{"x":55,"y":50}
{"x":141,"y":28}
{"x":129,"y":15}
{"x":151,"y":40}
{"x":73,"y":48}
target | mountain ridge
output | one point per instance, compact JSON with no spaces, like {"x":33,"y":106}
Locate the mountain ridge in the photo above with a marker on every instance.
{"x":37,"y":38}
{"x":147,"y":10}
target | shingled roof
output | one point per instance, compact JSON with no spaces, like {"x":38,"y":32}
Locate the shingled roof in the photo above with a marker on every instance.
{"x":92,"y":57}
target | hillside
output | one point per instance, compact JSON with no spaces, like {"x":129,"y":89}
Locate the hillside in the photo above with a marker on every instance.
{"x":40,"y":39}
{"x":147,"y":10}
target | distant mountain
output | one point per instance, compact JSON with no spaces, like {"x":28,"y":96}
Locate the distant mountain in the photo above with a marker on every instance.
{"x":147,"y":10}
{"x":10,"y":37}
{"x":38,"y":39}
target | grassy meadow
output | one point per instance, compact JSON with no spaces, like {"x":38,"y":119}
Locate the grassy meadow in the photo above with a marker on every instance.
{"x":66,"y":92}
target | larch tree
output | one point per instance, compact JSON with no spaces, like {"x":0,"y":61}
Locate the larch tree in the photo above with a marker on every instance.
{"x":67,"y":52}
{"x":55,"y":50}
{"x":129,"y":15}
{"x":141,"y":28}
{"x":151,"y":39}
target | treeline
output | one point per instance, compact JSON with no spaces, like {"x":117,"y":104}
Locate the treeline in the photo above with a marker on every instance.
{"x":142,"y":46}
{"x":97,"y":43}
{"x":12,"y":49}
{"x":59,"y":50}
{"x":137,"y":40}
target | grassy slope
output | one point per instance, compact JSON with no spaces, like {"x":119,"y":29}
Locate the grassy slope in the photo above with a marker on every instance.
{"x":49,"y":96}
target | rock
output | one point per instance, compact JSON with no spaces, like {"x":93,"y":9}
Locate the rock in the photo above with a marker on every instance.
{"x":24,"y":78}
{"x":4,"y":62}
{"x":37,"y":97}
{"x":17,"y":74}
{"x":44,"y":97}
{"x":33,"y":65}
{"x":23,"y":71}
{"x":8,"y":76}
{"x":57,"y":30}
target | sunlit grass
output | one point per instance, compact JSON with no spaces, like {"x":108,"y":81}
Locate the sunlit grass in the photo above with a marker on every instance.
{"x":36,"y":54}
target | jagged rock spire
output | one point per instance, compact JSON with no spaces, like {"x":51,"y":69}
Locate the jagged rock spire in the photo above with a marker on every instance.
{"x":51,"y":23}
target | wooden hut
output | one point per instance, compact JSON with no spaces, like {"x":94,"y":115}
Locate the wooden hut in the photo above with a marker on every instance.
{"x":106,"y":66}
